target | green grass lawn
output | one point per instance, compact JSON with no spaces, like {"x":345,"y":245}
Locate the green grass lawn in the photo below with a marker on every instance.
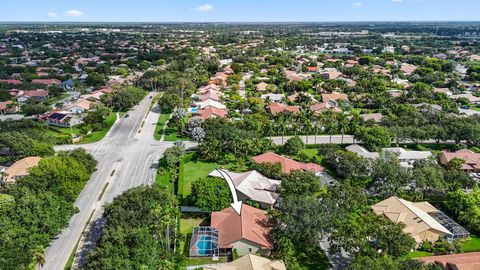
{"x":186,"y":228}
{"x":161,"y":122}
{"x":191,"y":171}
{"x":418,"y":254}
{"x":98,"y":135}
{"x":163,"y":180}
{"x":171,"y":135}
{"x":202,"y":261}
{"x":472,"y":245}
{"x":53,"y":100}
{"x":92,"y":137}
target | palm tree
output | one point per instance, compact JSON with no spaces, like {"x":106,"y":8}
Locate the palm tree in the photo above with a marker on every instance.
{"x":39,"y":257}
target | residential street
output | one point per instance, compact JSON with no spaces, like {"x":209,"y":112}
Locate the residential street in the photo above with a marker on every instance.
{"x":127,"y":157}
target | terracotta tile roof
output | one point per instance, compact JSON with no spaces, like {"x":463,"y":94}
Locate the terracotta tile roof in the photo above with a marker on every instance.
{"x":288,"y":165}
{"x":4,"y":104}
{"x":11,"y":82}
{"x":262,"y":86}
{"x":20,"y":168}
{"x":249,"y":262}
{"x":276,"y":108}
{"x":211,"y":112}
{"x":334,"y":96}
{"x":250,"y":225}
{"x":36,"y":93}
{"x":464,"y":261}
{"x":48,"y":82}
{"x":472,"y":159}
{"x":210,"y":95}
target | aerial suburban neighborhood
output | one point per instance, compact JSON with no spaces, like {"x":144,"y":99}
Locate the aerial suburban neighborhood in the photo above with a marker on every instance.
{"x":240,"y":145}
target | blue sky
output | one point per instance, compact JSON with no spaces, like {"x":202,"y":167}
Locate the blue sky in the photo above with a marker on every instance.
{"x":238,"y":10}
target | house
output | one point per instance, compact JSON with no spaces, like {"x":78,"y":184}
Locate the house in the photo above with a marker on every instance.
{"x":38,"y":95}
{"x":245,"y":232}
{"x":273,"y":97}
{"x":276,"y":108}
{"x":446,"y":91}
{"x":68,"y":85}
{"x":209,"y":88}
{"x":210,"y":103}
{"x":211,"y":112}
{"x":471,"y":98}
{"x":375,"y":117}
{"x":361,"y":151}
{"x":94,"y":96}
{"x":251,"y":185}
{"x":406,"y":158}
{"x":294,"y":97}
{"x":210,"y":95}
{"x":19,"y":169}
{"x":249,"y":262}
{"x":330,"y":73}
{"x":426,"y":107}
{"x":472,"y":159}
{"x":61,"y":119}
{"x":220,"y":79}
{"x":463,"y":261}
{"x":407,"y":69}
{"x":261,"y":86}
{"x":80,"y":106}
{"x":422,"y":221}
{"x":331,"y":105}
{"x":288,"y":165}
{"x":334,"y":96}
{"x":48,"y":82}
{"x":13,"y":82}
{"x":7,"y":107}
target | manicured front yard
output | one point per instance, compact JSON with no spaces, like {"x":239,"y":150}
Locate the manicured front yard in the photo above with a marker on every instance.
{"x":92,"y":137}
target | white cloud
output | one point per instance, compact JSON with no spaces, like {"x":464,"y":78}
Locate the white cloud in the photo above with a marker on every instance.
{"x":204,"y":8}
{"x":73,"y":13}
{"x":52,"y":14}
{"x":357,"y":4}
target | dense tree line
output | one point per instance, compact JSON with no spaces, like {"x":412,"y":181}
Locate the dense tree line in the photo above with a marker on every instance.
{"x":139,"y":232}
{"x":37,"y":207}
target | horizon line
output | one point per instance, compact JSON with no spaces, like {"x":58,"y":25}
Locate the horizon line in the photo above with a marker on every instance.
{"x":245,"y":22}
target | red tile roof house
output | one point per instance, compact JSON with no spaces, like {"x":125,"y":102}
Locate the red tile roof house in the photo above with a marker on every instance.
{"x":39,"y":94}
{"x":211,"y":112}
{"x":334,"y":96}
{"x":331,"y":105}
{"x":288,"y":165}
{"x":48,"y":82}
{"x":14,"y":82}
{"x":465,"y":261}
{"x":8,"y":107}
{"x":276,"y":108}
{"x":472,"y":160}
{"x":244,"y":233}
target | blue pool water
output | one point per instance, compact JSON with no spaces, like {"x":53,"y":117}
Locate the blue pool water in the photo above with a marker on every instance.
{"x":204,"y":245}
{"x":194,"y":109}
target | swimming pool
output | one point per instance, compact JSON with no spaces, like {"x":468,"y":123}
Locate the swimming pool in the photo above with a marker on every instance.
{"x":204,"y":245}
{"x":194,"y":110}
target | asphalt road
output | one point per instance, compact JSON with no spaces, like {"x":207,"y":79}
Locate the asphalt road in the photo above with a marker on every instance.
{"x":127,"y":157}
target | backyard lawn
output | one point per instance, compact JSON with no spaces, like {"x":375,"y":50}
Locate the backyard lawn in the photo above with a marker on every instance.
{"x":191,"y":170}
{"x":471,"y":245}
{"x":418,"y":254}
